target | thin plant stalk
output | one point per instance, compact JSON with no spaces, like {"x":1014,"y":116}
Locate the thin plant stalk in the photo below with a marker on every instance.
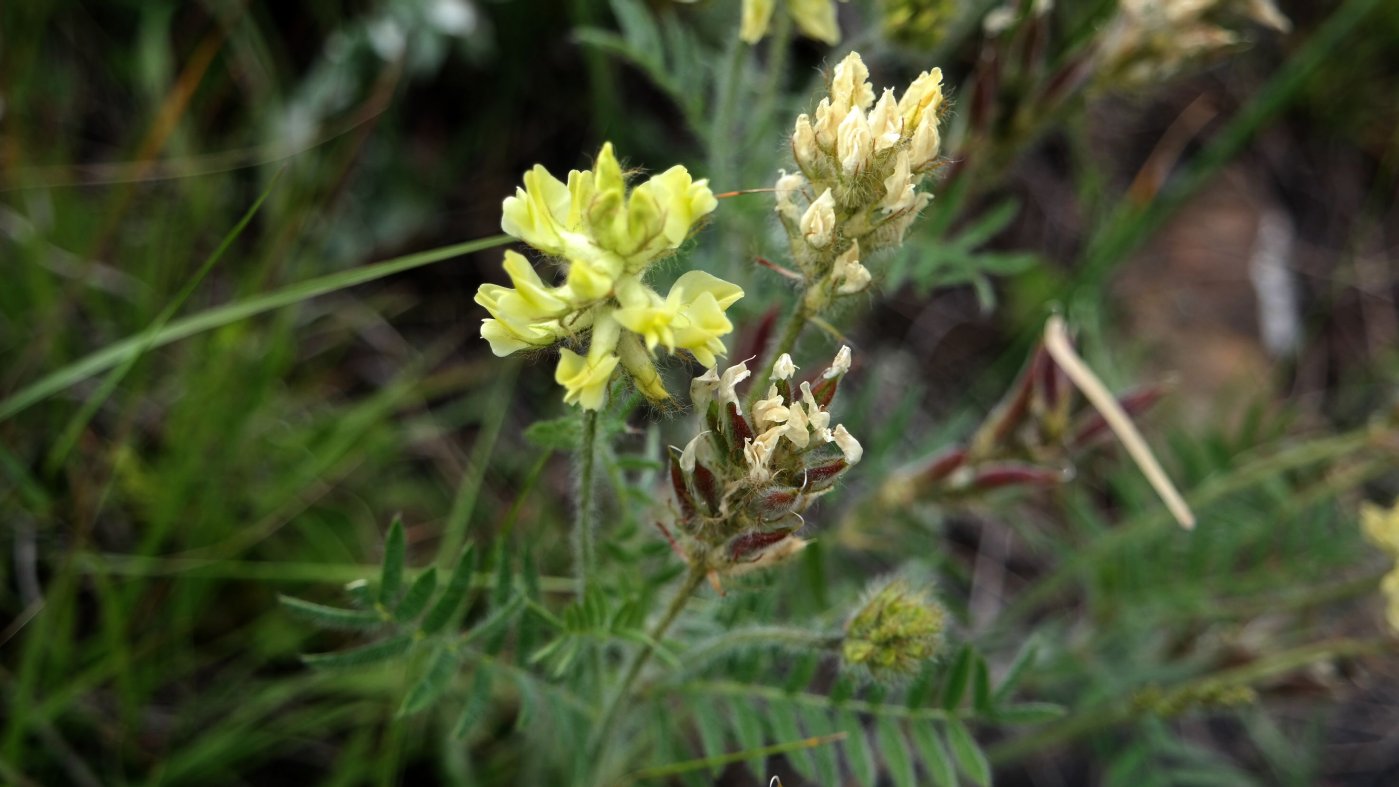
{"x":786,"y":341}
{"x":583,"y":535}
{"x":608,"y":719}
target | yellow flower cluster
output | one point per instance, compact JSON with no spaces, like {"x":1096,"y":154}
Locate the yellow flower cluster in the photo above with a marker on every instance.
{"x":606,"y":236}
{"x":861,"y":162}
{"x":814,"y":18}
{"x":1381,"y":527}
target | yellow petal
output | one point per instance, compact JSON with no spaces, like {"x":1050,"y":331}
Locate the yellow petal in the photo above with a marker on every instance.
{"x":585,"y":379}
{"x":922,"y":100}
{"x":756,"y":16}
{"x":816,"y":19}
{"x":694,"y":283}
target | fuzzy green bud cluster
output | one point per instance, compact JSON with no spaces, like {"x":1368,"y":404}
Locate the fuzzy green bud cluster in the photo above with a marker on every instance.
{"x":605,"y":237}
{"x":1151,"y":40}
{"x":860,"y":162}
{"x":893,"y":631}
{"x":743,"y":483}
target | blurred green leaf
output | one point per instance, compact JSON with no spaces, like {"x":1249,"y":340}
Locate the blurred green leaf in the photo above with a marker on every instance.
{"x":331,"y":617}
{"x":417,"y":597}
{"x":373,"y":653}
{"x":391,"y":574}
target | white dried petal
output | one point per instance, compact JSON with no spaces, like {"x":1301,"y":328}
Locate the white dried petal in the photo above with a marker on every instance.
{"x":688,"y":456}
{"x":840,"y":365}
{"x":784,"y":368}
{"x":728,"y":383}
{"x":848,"y":444}
{"x":772,"y":410}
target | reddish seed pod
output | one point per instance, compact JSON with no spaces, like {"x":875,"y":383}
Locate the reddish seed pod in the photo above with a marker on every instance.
{"x":1050,"y":378}
{"x":942,"y":465}
{"x":741,"y":430}
{"x":708,"y":487}
{"x":748,"y":543}
{"x":758,"y":339}
{"x":1134,"y":403}
{"x":825,"y":390}
{"x":822,"y":476}
{"x":682,"y":490}
{"x":774,"y":502}
{"x":1001,"y":475}
{"x":784,"y":390}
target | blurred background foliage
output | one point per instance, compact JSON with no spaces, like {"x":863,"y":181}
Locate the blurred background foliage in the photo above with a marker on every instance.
{"x":1230,"y":229}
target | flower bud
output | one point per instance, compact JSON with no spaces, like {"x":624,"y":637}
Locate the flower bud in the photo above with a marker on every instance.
{"x":895,"y":629}
{"x":850,"y":85}
{"x":886,"y":124}
{"x":804,"y":148}
{"x":825,"y":123}
{"x":924,"y":147}
{"x":898,"y":187}
{"x":819,"y":221}
{"x":840,"y":364}
{"x":848,"y":274}
{"x":920,"y":103}
{"x":637,"y":361}
{"x":853,"y":142}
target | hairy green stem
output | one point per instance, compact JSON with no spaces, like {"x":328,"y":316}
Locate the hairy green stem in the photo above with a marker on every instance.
{"x":789,"y":637}
{"x":791,"y":331}
{"x":583,"y":536}
{"x":609,"y":714}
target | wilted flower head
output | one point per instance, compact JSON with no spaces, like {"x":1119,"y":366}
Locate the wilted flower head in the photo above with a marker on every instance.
{"x":893,"y":631}
{"x":743,"y":483}
{"x":814,"y":18}
{"x":1149,"y":40}
{"x":860,"y":162}
{"x":606,"y":237}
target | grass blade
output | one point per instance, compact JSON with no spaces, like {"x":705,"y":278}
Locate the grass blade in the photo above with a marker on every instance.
{"x":147,"y":338}
{"x":114,"y":354}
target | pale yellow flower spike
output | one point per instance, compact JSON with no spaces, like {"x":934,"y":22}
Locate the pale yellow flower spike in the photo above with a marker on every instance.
{"x":1381,"y":526}
{"x":1056,"y":342}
